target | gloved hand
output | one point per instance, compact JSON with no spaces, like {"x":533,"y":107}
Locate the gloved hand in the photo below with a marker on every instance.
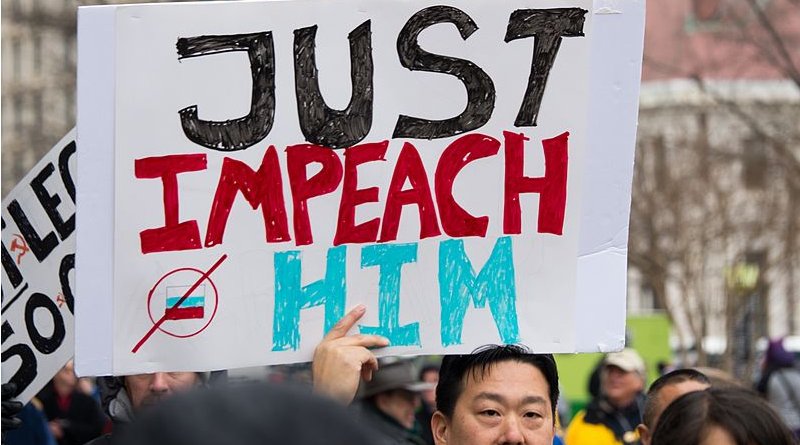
{"x":10,"y":408}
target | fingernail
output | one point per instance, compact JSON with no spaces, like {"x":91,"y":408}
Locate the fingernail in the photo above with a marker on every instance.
{"x":360,"y":308}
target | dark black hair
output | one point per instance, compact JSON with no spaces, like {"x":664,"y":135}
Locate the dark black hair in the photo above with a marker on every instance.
{"x":746,"y":417}
{"x":455,"y":369}
{"x":671,"y":378}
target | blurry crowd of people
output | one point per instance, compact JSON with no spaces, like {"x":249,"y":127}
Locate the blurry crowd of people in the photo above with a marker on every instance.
{"x":498,"y":394}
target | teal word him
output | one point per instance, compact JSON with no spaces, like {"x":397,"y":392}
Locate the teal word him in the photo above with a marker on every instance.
{"x":459,"y":286}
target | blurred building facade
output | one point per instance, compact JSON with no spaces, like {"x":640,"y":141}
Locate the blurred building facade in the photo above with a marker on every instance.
{"x":715,"y":219}
{"x":39,"y":59}
{"x":38,"y":81}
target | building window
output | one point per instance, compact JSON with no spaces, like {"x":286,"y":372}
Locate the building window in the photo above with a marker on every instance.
{"x":706,"y":10}
{"x":69,"y":107}
{"x":705,"y":15}
{"x":68,"y":45}
{"x":38,"y":109}
{"x":16,"y":8}
{"x":18,"y":124}
{"x":754,"y":164}
{"x":37,"y":53}
{"x":16,"y":53}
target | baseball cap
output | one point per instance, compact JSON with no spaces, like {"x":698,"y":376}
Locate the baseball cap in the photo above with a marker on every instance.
{"x":400,"y":374}
{"x":628,"y":360}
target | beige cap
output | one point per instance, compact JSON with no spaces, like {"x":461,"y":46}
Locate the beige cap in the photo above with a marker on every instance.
{"x":628,"y":360}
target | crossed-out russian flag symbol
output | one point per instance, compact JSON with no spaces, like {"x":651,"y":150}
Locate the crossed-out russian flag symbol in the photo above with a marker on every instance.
{"x":191,"y":308}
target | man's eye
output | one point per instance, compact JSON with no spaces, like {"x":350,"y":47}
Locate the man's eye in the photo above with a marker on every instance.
{"x":532,"y":415}
{"x":490,"y":413}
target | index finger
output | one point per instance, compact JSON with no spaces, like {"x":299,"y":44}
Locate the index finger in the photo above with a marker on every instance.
{"x":340,"y":329}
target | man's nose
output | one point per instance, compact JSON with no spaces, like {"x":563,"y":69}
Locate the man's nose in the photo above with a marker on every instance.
{"x":159,"y":383}
{"x":512,"y":431}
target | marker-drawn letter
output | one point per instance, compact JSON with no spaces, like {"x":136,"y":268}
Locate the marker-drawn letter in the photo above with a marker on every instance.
{"x":320,"y":124}
{"x":552,"y":187}
{"x":240,"y":133}
{"x":291,"y":297}
{"x":547,"y":26}
{"x":347,"y":231}
{"x":390,"y":259}
{"x":326,"y":180}
{"x":456,"y":222}
{"x":480,"y":88}
{"x":40,"y":246}
{"x":260,"y":188}
{"x":174,"y":235}
{"x":10,"y":268}
{"x":409,"y":167}
{"x":458,"y":285}
{"x":26,"y":373}
{"x":50,"y":202}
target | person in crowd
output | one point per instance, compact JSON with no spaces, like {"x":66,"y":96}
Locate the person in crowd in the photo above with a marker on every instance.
{"x":611,"y":418}
{"x":496,"y":395}
{"x":721,"y":416}
{"x":780,"y":384}
{"x":247,"y":414}
{"x":664,"y":391}
{"x":428,"y":374}
{"x":73,"y":417}
{"x":123,"y":397}
{"x":30,"y":426}
{"x":340,"y":360}
{"x":389,"y":401}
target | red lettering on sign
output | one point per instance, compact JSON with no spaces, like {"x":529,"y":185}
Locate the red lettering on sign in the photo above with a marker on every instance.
{"x":347,"y":231}
{"x":409,"y":167}
{"x":552,"y":187}
{"x":298,"y":157}
{"x":174,"y":235}
{"x":457,"y":222}
{"x":260,"y":188}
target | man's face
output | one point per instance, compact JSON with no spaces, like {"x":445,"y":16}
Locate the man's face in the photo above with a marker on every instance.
{"x":147,"y":389}
{"x":399,"y":404}
{"x":509,"y":405}
{"x":429,"y":395}
{"x":620,"y":386}
{"x":65,"y":380}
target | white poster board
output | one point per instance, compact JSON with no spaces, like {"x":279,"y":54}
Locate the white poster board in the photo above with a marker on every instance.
{"x":265,"y":166}
{"x":38,"y":258}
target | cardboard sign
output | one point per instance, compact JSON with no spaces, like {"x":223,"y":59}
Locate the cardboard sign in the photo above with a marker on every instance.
{"x":38,"y":257}
{"x":255,"y":169}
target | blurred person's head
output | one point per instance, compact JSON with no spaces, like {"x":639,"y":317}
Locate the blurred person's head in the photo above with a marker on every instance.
{"x":147,"y":389}
{"x":395,"y":391}
{"x":720,"y":378}
{"x":429,"y":374}
{"x":664,"y":391}
{"x":498,"y":394}
{"x":65,"y":381}
{"x":123,"y":397}
{"x":623,"y":377}
{"x":247,"y":414}
{"x":777,"y":356}
{"x":721,"y":416}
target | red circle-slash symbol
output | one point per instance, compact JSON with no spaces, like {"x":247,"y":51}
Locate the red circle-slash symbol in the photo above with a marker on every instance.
{"x":174,"y":284}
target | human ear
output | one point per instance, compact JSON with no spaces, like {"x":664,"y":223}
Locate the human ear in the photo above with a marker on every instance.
{"x":439,"y":428}
{"x":644,"y":434}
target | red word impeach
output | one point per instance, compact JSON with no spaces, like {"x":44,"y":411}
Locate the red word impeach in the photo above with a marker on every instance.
{"x":264,"y":188}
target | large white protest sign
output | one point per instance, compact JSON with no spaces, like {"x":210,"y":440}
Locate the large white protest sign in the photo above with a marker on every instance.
{"x":252,"y":170}
{"x":38,"y":257}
